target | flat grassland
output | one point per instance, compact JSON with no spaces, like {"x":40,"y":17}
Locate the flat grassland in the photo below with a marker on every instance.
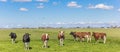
{"x":112,"y":44}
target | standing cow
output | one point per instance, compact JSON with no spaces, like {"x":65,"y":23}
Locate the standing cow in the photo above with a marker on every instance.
{"x":13,"y":37}
{"x":45,"y":38}
{"x":26,"y":40}
{"x":81,"y":35}
{"x":61,"y":37}
{"x":98,"y":35}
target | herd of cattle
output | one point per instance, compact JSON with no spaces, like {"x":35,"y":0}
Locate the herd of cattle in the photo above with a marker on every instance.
{"x":61,"y":37}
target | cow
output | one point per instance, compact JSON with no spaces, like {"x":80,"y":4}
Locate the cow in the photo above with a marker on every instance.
{"x":26,"y":40}
{"x":13,"y":37}
{"x":81,"y":35}
{"x":99,"y":35}
{"x":45,"y":38}
{"x":61,"y":37}
{"x":74,"y":35}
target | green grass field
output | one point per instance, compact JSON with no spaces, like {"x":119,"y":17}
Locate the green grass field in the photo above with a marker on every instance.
{"x":112,"y":44}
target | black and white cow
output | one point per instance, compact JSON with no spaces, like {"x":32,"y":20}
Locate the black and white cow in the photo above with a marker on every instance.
{"x":26,"y":40}
{"x":13,"y":37}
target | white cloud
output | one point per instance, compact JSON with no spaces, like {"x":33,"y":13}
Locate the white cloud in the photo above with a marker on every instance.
{"x":22,"y":0}
{"x":119,"y":9}
{"x":101,"y":6}
{"x":3,"y":0}
{"x":23,"y":9}
{"x":19,"y":25}
{"x":55,"y":3}
{"x":40,"y":5}
{"x":60,"y":23}
{"x":7,"y":26}
{"x":73,"y":4}
{"x":42,"y":0}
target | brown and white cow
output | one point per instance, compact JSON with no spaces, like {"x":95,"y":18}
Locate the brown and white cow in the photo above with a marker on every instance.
{"x":61,"y":37}
{"x":81,"y":35}
{"x":45,"y":38}
{"x":98,"y":35}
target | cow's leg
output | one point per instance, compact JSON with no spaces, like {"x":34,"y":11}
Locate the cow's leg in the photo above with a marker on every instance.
{"x":75,"y":38}
{"x":80,"y":39}
{"x":87,"y":37}
{"x":61,"y":42}
{"x":27,"y":45}
{"x":83,"y":39}
{"x":104,"y":39}
{"x":90,"y":38}
{"x":12,"y":41}
{"x":96,"y":41}
{"x":45,"y":44}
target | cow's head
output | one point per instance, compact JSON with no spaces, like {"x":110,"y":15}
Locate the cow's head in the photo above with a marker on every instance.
{"x":61,"y":31}
{"x":72,"y":33}
{"x":27,"y":34}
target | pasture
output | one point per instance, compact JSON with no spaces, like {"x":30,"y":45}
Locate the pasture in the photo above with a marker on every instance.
{"x":112,"y":44}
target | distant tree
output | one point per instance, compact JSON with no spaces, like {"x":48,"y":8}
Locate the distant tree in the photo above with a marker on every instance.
{"x":102,"y":27}
{"x":77,"y":27}
{"x":60,"y":27}
{"x":88,"y":27}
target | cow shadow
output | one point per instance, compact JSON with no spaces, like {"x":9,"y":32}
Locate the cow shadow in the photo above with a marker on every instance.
{"x":16,"y":41}
{"x":60,"y":45}
{"x":100,"y":42}
{"x":30,"y":48}
{"x":48,"y":46}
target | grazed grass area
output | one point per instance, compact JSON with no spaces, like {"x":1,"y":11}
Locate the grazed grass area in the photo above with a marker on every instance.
{"x":112,"y":44}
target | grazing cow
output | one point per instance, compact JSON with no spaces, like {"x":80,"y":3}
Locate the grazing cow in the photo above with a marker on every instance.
{"x":74,"y":35}
{"x":98,"y":36}
{"x":13,"y":37}
{"x":81,"y":35}
{"x":61,"y":37}
{"x":45,"y":38}
{"x":26,"y":40}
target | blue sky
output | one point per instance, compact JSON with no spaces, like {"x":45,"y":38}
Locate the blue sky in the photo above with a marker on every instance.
{"x":37,"y":12}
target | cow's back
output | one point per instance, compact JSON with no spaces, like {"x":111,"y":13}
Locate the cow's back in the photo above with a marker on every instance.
{"x":61,"y":36}
{"x":98,"y":35}
{"x":26,"y":38}
{"x":80,"y":34}
{"x":13,"y":35}
{"x":43,"y":38}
